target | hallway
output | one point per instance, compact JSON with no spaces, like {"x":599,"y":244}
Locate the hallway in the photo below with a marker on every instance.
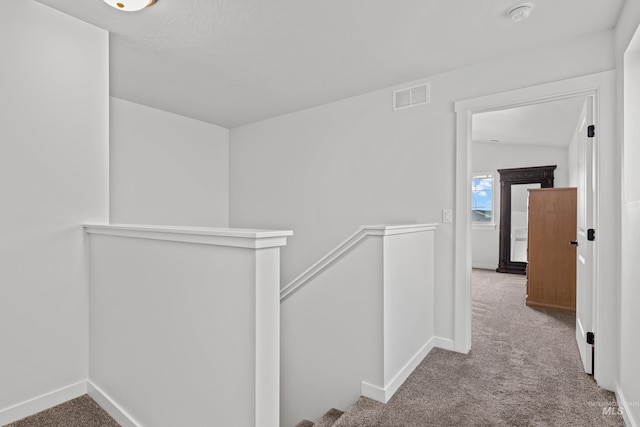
{"x":523,"y":370}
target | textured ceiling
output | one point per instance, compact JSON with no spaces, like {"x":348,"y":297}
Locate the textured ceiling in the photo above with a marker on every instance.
{"x":548,"y":123}
{"x":232,"y":62}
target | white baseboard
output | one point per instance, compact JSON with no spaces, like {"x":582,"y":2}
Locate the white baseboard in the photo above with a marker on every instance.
{"x":444,"y":343}
{"x":485,"y":266}
{"x":629,"y":421}
{"x":373,"y":392}
{"x":108,"y":404}
{"x":64,"y":394}
{"x":383,"y":394}
{"x":42,"y":402}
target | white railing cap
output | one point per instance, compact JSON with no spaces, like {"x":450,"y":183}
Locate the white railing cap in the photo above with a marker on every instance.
{"x":391,"y":229}
{"x":217,"y":236}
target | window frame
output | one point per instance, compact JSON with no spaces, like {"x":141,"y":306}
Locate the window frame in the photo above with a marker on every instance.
{"x":485,"y":225}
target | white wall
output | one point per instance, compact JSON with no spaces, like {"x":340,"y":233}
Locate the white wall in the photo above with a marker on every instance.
{"x":324,"y":171}
{"x":487,"y":156}
{"x":53,"y":177}
{"x":629,"y":292}
{"x":167,"y":169}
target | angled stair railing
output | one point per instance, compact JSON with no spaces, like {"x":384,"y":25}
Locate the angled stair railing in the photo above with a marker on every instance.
{"x":341,"y":250}
{"x":304,"y":278}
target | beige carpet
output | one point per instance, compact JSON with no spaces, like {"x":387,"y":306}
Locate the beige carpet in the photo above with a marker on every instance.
{"x":79,"y":412}
{"x":524,"y":370}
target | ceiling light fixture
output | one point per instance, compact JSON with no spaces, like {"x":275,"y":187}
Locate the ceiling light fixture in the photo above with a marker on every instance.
{"x":520,"y":12}
{"x":130,"y":5}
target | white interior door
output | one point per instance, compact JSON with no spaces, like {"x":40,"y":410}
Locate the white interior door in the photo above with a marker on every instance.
{"x":586,"y":248}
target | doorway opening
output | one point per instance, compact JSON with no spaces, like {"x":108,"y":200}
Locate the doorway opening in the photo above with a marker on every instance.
{"x":600,"y":89}
{"x":539,"y":145}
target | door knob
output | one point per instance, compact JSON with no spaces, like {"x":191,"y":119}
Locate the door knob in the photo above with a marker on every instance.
{"x":573,"y":242}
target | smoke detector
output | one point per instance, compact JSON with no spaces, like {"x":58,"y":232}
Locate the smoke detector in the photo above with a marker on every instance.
{"x":520,"y":12}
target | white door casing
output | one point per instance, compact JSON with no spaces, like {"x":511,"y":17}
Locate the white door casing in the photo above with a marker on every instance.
{"x":600,"y":86}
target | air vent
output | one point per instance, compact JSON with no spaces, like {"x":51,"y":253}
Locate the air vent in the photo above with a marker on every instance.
{"x":412,"y":96}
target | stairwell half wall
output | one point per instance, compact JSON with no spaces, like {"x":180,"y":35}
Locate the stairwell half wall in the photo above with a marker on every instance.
{"x":360,"y":323}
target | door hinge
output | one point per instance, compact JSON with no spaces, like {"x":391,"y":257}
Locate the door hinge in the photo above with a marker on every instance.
{"x":591,"y":131}
{"x":591,"y":338}
{"x":591,"y":234}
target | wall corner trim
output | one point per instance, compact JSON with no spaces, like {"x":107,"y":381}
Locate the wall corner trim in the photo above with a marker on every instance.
{"x":444,"y":343}
{"x":110,"y":406}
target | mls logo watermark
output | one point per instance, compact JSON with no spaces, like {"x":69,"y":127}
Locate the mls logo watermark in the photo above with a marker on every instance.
{"x":614,"y":407}
{"x":613,"y":410}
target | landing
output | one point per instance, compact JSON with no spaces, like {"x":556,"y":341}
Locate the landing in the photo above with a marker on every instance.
{"x":524,"y":370}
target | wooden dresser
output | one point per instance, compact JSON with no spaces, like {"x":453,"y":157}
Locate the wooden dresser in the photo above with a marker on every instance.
{"x":551,"y":269}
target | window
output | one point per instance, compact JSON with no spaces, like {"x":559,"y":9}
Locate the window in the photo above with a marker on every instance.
{"x":482,"y":200}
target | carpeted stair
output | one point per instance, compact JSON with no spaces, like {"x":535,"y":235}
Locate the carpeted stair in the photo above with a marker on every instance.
{"x":365,"y":412}
{"x":329,"y":419}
